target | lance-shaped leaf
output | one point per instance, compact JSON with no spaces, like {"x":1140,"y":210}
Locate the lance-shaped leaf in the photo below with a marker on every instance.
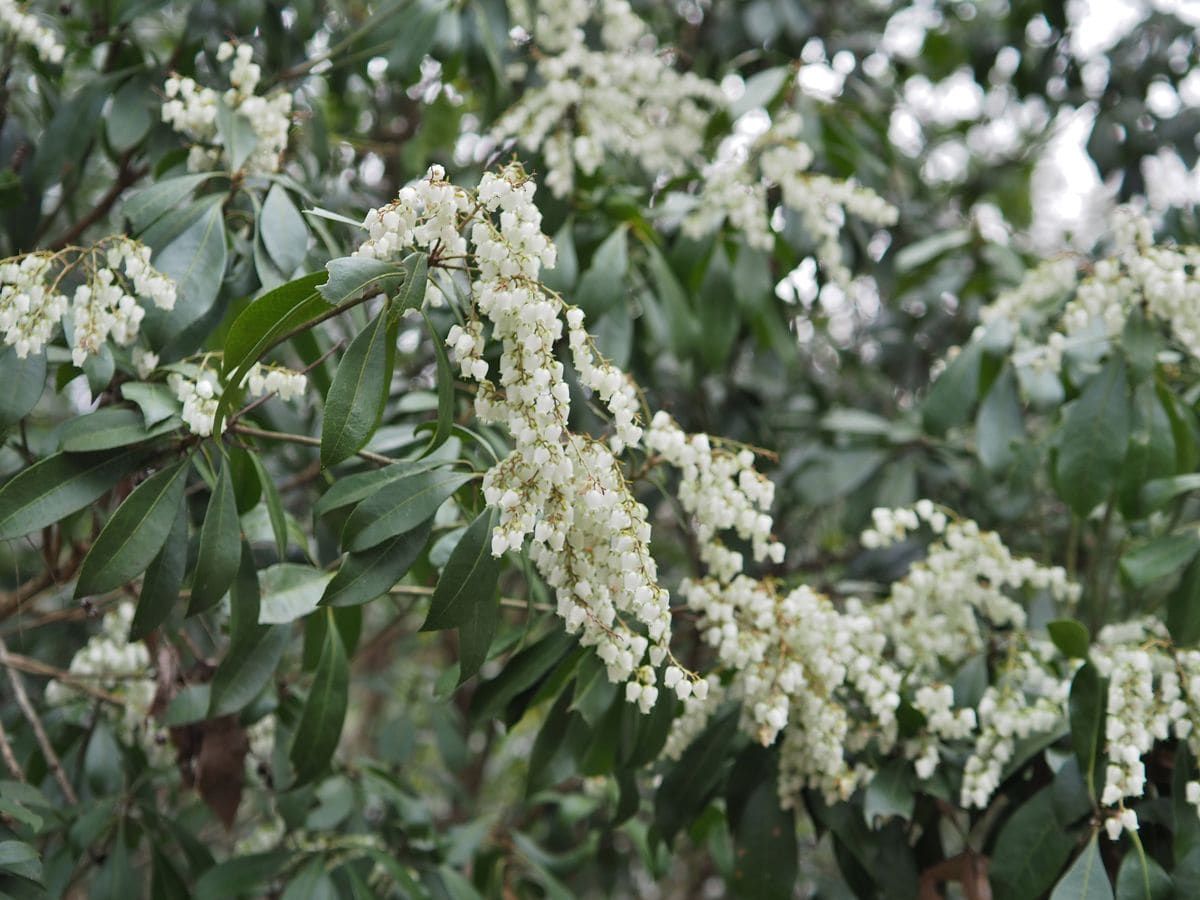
{"x":399,"y":507}
{"x":1095,"y":437}
{"x":1087,"y":878}
{"x":351,"y":276}
{"x":163,"y":581}
{"x":356,"y":398}
{"x":274,"y":506}
{"x":353,"y":488}
{"x":24,"y":381}
{"x":364,"y":576}
{"x":284,"y":233}
{"x":220,"y":539}
{"x":57,"y":486}
{"x":445,"y":393}
{"x":469,"y":578}
{"x":320,"y":725}
{"x":136,"y":532}
{"x":111,"y":427}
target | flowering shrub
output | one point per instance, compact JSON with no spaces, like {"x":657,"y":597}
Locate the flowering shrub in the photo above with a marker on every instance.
{"x":594,"y":448}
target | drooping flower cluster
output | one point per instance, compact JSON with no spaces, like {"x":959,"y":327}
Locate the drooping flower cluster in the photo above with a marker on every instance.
{"x":263,"y":380}
{"x":28,"y":29}
{"x":120,"y":668}
{"x":761,"y":154}
{"x":106,"y":305}
{"x":193,"y":110}
{"x":199,"y":389}
{"x":1060,"y":307}
{"x":624,"y":99}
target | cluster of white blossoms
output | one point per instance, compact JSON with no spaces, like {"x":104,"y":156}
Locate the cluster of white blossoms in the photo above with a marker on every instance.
{"x":263,"y":380}
{"x":31,"y":306}
{"x":623,"y":99}
{"x":1063,"y":306}
{"x":566,"y":492}
{"x":105,"y":306}
{"x":193,"y":110}
{"x":199,"y":391}
{"x":121,"y":668}
{"x":28,"y":29}
{"x":762,"y":154}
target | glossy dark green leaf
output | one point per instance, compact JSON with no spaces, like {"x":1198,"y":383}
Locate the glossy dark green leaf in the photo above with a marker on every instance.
{"x":1152,"y":453}
{"x":890,"y":793}
{"x":1154,"y":559}
{"x":952,"y":397}
{"x":351,"y":276}
{"x":445,"y":393}
{"x":320,"y":725}
{"x":690,"y":783}
{"x":356,"y":398}
{"x":290,"y":591}
{"x":766,"y":855}
{"x":520,"y":673}
{"x":134,"y":534}
{"x":128,"y":118}
{"x":196,"y":261}
{"x":220,"y":546}
{"x":1094,"y":440}
{"x":165,"y":881}
{"x":999,"y":423}
{"x":1085,"y":708}
{"x":1183,"y":606}
{"x":1070,"y":636}
{"x":146,"y":206}
{"x":274,"y":503}
{"x":469,"y":578}
{"x":271,"y":315}
{"x":109,"y":428}
{"x":156,"y":401}
{"x":163,"y":581}
{"x":284,"y":233}
{"x":353,"y":488}
{"x":23,"y":380}
{"x":1030,"y":851}
{"x":411,"y":294}
{"x":399,"y":507}
{"x":62,"y":145}
{"x":57,"y":486}
{"x":1086,"y":879}
{"x":364,"y":576}
{"x":1142,"y":878}
{"x":1159,"y":492}
{"x":240,"y":876}
{"x":602,"y":286}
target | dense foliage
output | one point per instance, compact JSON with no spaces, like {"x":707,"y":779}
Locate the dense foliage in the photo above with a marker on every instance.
{"x":590,"y":448}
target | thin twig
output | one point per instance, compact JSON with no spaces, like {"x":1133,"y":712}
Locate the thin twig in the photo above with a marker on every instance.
{"x":126,"y":175}
{"x":511,"y":602}
{"x":52,"y":760}
{"x":304,"y":440}
{"x":36,"y":667}
{"x":10,"y":759}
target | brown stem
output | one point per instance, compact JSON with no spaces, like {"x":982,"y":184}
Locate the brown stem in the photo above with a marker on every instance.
{"x":127,"y":174}
{"x":10,"y":759}
{"x":52,"y":760}
{"x":305,"y":440}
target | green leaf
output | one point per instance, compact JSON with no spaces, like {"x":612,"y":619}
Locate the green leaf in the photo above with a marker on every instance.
{"x":1142,"y":878}
{"x":1086,"y":879}
{"x":353,"y":488}
{"x":284,"y":233}
{"x":145,"y":207}
{"x":237,"y":134}
{"x":399,"y":507}
{"x":952,"y":396}
{"x":220,"y":546}
{"x":136,"y":532}
{"x":1159,"y":492}
{"x":445,"y":393}
{"x":1183,"y":606}
{"x":23,"y":380}
{"x":62,"y":144}
{"x":1094,"y":440}
{"x":1159,"y":557}
{"x":350,"y":276}
{"x":475,"y":637}
{"x":359,"y":391}
{"x":163,"y":581}
{"x":520,"y":673}
{"x":469,"y":578}
{"x":240,"y":875}
{"x":766,"y":857}
{"x":1070,"y":636}
{"x":320,"y":724}
{"x":128,"y":118}
{"x":274,"y":504}
{"x":364,"y":576}
{"x":890,"y":793}
{"x":196,"y":260}
{"x":412,"y":293}
{"x":1085,"y":709}
{"x":602,"y":286}
{"x":289,"y":592}
{"x":1031,"y":850}
{"x":53,"y":488}
{"x":156,"y":401}
{"x":927,"y":250}
{"x":689,"y":783}
{"x":999,"y":423}
{"x":247,"y":668}
{"x":108,"y":428}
